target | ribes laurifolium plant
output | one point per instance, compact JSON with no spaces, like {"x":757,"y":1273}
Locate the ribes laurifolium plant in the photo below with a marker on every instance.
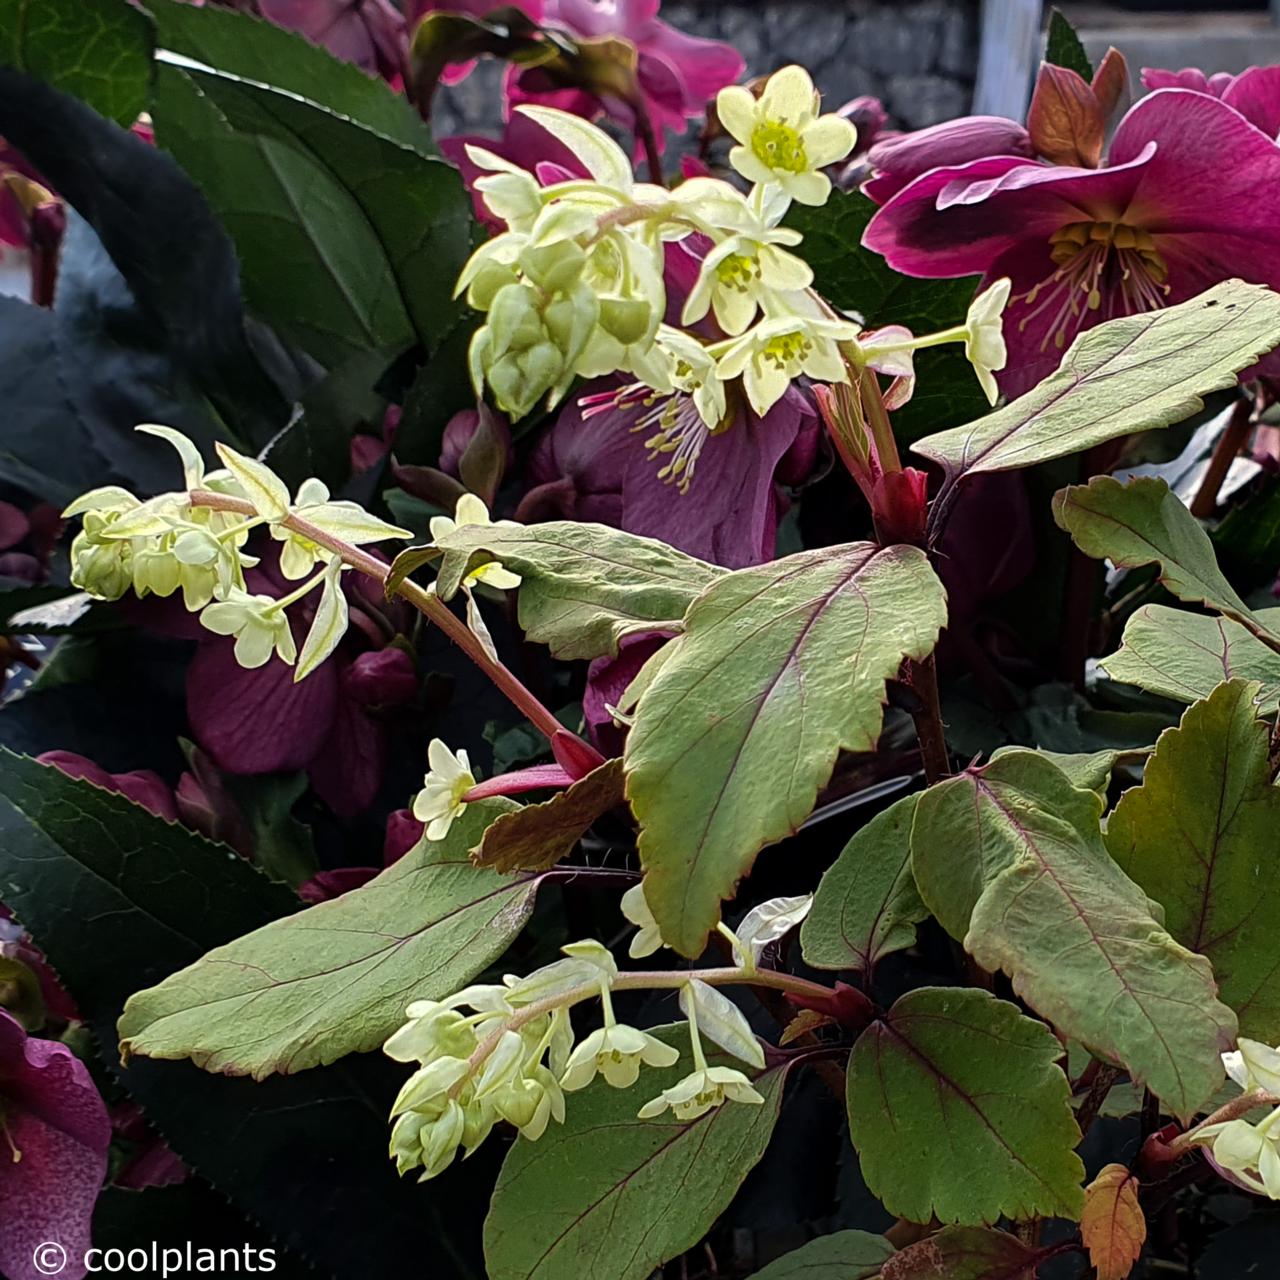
{"x":592,"y":724}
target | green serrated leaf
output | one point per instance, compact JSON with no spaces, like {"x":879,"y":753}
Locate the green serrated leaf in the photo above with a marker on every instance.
{"x":780,"y":668}
{"x":843,"y":1255}
{"x":1063,"y":47}
{"x":1088,"y":770}
{"x":584,"y":586}
{"x":1134,"y":374}
{"x":1144,"y":522}
{"x":349,"y":241}
{"x":335,"y":979}
{"x":244,"y":45}
{"x":612,"y":1197}
{"x":1201,"y":835}
{"x":97,"y":50}
{"x":1010,"y":859}
{"x":959,"y":1110}
{"x":1184,"y":655}
{"x":867,"y":904}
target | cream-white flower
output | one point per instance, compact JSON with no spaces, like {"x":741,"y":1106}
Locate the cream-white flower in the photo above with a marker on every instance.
{"x":636,"y":909}
{"x":1253,"y":1065}
{"x":471,"y":510}
{"x":258,"y":623}
{"x":984,"y":336}
{"x":441,"y":799}
{"x":1250,"y":1151}
{"x":616,"y":1053}
{"x":782,"y":138}
{"x":777,"y":351}
{"x":700,"y":1092}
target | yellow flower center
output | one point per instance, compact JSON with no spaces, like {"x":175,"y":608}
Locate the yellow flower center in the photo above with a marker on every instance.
{"x":738,"y":271}
{"x":787,"y":350}
{"x":779,"y":146}
{"x":1108,"y":267}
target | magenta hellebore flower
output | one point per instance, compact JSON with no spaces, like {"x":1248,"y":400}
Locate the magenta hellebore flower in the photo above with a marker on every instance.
{"x":54,"y":1135}
{"x":1173,"y":210}
{"x":678,"y":74}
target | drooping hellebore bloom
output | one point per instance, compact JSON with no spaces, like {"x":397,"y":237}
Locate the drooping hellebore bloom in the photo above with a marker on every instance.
{"x":677,"y":74}
{"x":607,"y":466}
{"x":369,"y":33}
{"x":1173,"y":210}
{"x":54,"y":1134}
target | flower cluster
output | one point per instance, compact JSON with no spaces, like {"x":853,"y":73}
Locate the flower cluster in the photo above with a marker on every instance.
{"x":506,"y":1052}
{"x":173,"y":541}
{"x":575,"y":284}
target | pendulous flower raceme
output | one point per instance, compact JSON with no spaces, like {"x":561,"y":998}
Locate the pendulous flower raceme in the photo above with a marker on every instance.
{"x":574,"y":286}
{"x":507,"y":1052}
{"x":173,"y":541}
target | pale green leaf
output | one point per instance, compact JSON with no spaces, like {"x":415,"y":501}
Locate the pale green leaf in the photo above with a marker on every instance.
{"x":780,"y":668}
{"x":1184,"y":655}
{"x":351,"y":522}
{"x":966,"y":1253}
{"x":328,"y":626}
{"x":1201,"y":835}
{"x":602,"y":158}
{"x":959,"y":1110}
{"x":1133,"y":374}
{"x":867,"y":904}
{"x":1010,"y":859}
{"x":1088,"y":770}
{"x":1144,"y":522}
{"x":335,"y":979}
{"x":844,"y":1255}
{"x":611,"y":1197}
{"x":583,"y":586}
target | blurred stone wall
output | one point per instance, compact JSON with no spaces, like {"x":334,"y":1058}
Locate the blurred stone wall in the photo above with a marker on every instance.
{"x":918,"y":56}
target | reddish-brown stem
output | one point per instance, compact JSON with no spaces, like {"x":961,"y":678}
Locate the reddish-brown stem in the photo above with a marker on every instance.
{"x":426,"y":602}
{"x":648,"y":140}
{"x":1230,"y":442}
{"x":923,"y":677}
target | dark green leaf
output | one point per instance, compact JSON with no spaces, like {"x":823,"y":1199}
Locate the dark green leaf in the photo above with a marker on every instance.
{"x":253,"y":49}
{"x":97,"y":50}
{"x":967,"y":1253}
{"x":846,"y":1255}
{"x":1063,"y":47}
{"x":349,"y":241}
{"x":1201,"y":835}
{"x":175,"y":259}
{"x":959,"y":1110}
{"x":611,"y":1197}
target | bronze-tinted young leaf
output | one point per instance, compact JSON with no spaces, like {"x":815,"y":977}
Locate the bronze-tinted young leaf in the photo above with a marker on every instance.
{"x":964,"y":1253}
{"x":958,"y":1110}
{"x":536,"y":836}
{"x":1201,"y":835}
{"x":611,"y":1197}
{"x":867,"y":904}
{"x":1010,"y":859}
{"x":1110,"y":82}
{"x":1065,"y":120}
{"x":1113,"y":1226}
{"x":584,"y":586}
{"x":335,"y":979}
{"x":1144,"y":522}
{"x":844,"y":1255}
{"x":780,"y":668}
{"x":1184,"y":655}
{"x":1137,"y":373}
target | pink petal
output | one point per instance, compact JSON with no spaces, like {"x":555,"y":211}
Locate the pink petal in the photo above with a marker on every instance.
{"x":403,"y":832}
{"x":333,"y":884}
{"x":1187,"y":78}
{"x":538,"y":777}
{"x":903,"y":158}
{"x":142,"y":786}
{"x":1255,"y":94}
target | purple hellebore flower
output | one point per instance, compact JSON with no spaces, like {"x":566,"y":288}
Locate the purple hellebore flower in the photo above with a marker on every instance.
{"x":402,"y":833}
{"x":678,"y":74}
{"x":1174,"y":210}
{"x":608,"y":679}
{"x":56,"y":1131}
{"x":1254,"y":93}
{"x":598,"y":465}
{"x":142,"y":786}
